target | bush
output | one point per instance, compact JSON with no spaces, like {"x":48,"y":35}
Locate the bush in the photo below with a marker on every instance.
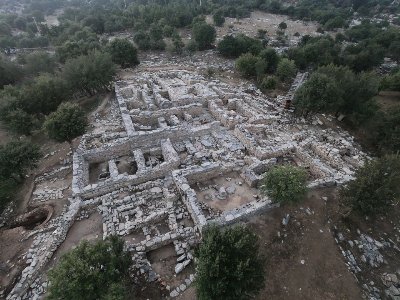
{"x":65,"y":124}
{"x":204,"y":35}
{"x":16,"y":158}
{"x":192,"y":46}
{"x":218,"y":18}
{"x":229,"y":264}
{"x":123,"y":53}
{"x":286,"y":69}
{"x":92,"y":271}
{"x":269,"y":83}
{"x":285,"y":184}
{"x":246,"y":65}
{"x":375,"y":188}
{"x":231,"y":46}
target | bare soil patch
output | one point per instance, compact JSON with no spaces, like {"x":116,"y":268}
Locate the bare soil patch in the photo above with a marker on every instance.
{"x":237,"y":192}
{"x":302,"y":258}
{"x":265,"y":21}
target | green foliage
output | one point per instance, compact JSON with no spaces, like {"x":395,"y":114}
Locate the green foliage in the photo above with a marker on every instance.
{"x":375,"y":188}
{"x":334,"y":23}
{"x":272,"y":58}
{"x":204,"y":35}
{"x":391,"y":82}
{"x":229,"y":264}
{"x":19,"y":121}
{"x":192,"y":46}
{"x":16,"y":158}
{"x":282,"y":26}
{"x":269,"y":83}
{"x":231,"y":46}
{"x":384,"y":131}
{"x":316,"y":51}
{"x":65,"y":124}
{"x":320,"y":93}
{"x":8,"y":188}
{"x":178,"y":44}
{"x":150,"y":41}
{"x":218,"y":18}
{"x":123,"y":53}
{"x":76,"y":41}
{"x":286,"y":69}
{"x":142,"y":40}
{"x":334,"y":89}
{"x":285,"y":184}
{"x":92,"y":271}
{"x":39,"y":62}
{"x":43,"y":95}
{"x":10,"y":73}
{"x":246,"y":65}
{"x":89,"y":73}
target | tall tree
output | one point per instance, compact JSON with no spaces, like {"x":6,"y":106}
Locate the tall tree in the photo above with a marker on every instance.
{"x":65,"y":124}
{"x":16,"y":158}
{"x":89,"y":73}
{"x":123,"y":53}
{"x":229,"y":264}
{"x":375,"y":187}
{"x":285,"y":183}
{"x":92,"y":271}
{"x":204,"y":35}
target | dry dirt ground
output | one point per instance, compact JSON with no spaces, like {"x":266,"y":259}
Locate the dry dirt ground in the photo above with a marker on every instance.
{"x":16,"y":241}
{"x":265,"y":21}
{"x":302,"y":259}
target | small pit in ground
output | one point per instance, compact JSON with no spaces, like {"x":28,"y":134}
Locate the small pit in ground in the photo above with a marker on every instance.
{"x":98,"y":171}
{"x":33,"y":218}
{"x":126,"y":164}
{"x":225,"y":192}
{"x":153,"y":160}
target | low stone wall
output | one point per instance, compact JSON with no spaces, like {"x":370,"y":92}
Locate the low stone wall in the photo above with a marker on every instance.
{"x":43,"y":248}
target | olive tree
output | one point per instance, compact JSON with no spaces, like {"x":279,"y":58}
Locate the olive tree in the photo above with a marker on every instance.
{"x":285,"y":183}
{"x":229,"y":264}
{"x":92,"y":271}
{"x":65,"y":124}
{"x":375,"y":188}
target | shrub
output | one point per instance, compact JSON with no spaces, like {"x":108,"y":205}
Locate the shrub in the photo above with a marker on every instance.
{"x":123,"y":52}
{"x":375,"y":187}
{"x":285,"y":184}
{"x":269,"y":83}
{"x":92,"y":271}
{"x":286,"y":69}
{"x":229,"y":264}
{"x":65,"y":124}
{"x":204,"y":35}
{"x":246,"y":65}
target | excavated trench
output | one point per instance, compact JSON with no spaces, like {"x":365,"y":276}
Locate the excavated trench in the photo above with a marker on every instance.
{"x":34,"y":218}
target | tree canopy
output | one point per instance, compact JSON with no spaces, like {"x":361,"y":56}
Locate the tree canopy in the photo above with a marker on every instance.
{"x":375,"y":187}
{"x":286,"y":69}
{"x":16,"y":158}
{"x":66,"y":123}
{"x":92,"y":271}
{"x":229,"y":264}
{"x":89,"y":73}
{"x":285,"y":183}
{"x":334,"y":89}
{"x":123,"y":53}
{"x":204,"y":34}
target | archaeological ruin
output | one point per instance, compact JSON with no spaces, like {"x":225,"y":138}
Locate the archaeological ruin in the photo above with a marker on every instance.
{"x":183,"y":151}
